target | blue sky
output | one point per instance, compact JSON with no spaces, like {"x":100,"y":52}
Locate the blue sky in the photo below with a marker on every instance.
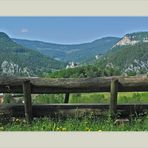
{"x":68,"y":30}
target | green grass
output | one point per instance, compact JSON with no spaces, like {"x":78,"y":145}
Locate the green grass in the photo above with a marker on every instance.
{"x":88,"y":123}
{"x":131,"y":97}
{"x":104,"y":98}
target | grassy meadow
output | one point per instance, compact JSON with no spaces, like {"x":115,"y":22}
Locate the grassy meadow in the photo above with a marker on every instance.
{"x":131,"y":97}
{"x":89,"y":122}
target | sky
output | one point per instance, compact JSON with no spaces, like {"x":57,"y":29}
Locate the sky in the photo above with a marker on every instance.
{"x":70,"y":30}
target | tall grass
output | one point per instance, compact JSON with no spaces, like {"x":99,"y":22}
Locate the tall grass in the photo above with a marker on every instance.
{"x":88,"y":123}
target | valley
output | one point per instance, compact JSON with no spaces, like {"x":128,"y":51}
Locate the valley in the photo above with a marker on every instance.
{"x":103,"y":57}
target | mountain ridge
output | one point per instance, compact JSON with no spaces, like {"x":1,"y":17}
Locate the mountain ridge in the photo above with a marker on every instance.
{"x":71,"y":52}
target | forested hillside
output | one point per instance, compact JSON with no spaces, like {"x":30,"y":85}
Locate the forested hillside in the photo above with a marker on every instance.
{"x":18,"y":60}
{"x":81,"y":53}
{"x":129,"y":56}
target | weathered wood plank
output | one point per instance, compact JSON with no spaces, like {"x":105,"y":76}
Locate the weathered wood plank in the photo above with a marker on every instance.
{"x":71,"y":85}
{"x":53,"y":109}
{"x":113,"y":97}
{"x":66,"y":100}
{"x":28,"y":100}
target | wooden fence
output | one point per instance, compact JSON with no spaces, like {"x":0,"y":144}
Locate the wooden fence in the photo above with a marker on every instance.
{"x":29,"y":86}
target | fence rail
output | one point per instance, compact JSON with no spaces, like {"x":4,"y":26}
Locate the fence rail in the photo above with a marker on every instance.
{"x":73,"y":85}
{"x":30,"y":86}
{"x":52,"y":110}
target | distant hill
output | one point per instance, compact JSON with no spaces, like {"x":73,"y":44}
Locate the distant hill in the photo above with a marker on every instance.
{"x":18,"y":60}
{"x":77,"y":53}
{"x":129,"y":56}
{"x":130,"y":53}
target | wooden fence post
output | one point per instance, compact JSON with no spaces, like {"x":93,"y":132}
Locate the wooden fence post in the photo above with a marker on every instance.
{"x":113,"y":97}
{"x":66,"y":98}
{"x":28,"y":100}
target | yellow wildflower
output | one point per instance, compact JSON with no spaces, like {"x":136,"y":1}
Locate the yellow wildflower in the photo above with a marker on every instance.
{"x":57,"y":129}
{"x":63,"y":129}
{"x":87,"y":129}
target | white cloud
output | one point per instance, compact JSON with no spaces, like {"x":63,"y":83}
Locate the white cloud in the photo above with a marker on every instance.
{"x":24,"y":30}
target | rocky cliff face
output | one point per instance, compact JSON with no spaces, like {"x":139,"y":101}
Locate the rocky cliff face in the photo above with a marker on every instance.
{"x":137,"y":66}
{"x":132,"y":39}
{"x":126,"y":41}
{"x":10,"y":68}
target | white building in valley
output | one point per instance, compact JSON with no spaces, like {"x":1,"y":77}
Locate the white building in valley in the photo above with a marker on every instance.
{"x":72,"y":65}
